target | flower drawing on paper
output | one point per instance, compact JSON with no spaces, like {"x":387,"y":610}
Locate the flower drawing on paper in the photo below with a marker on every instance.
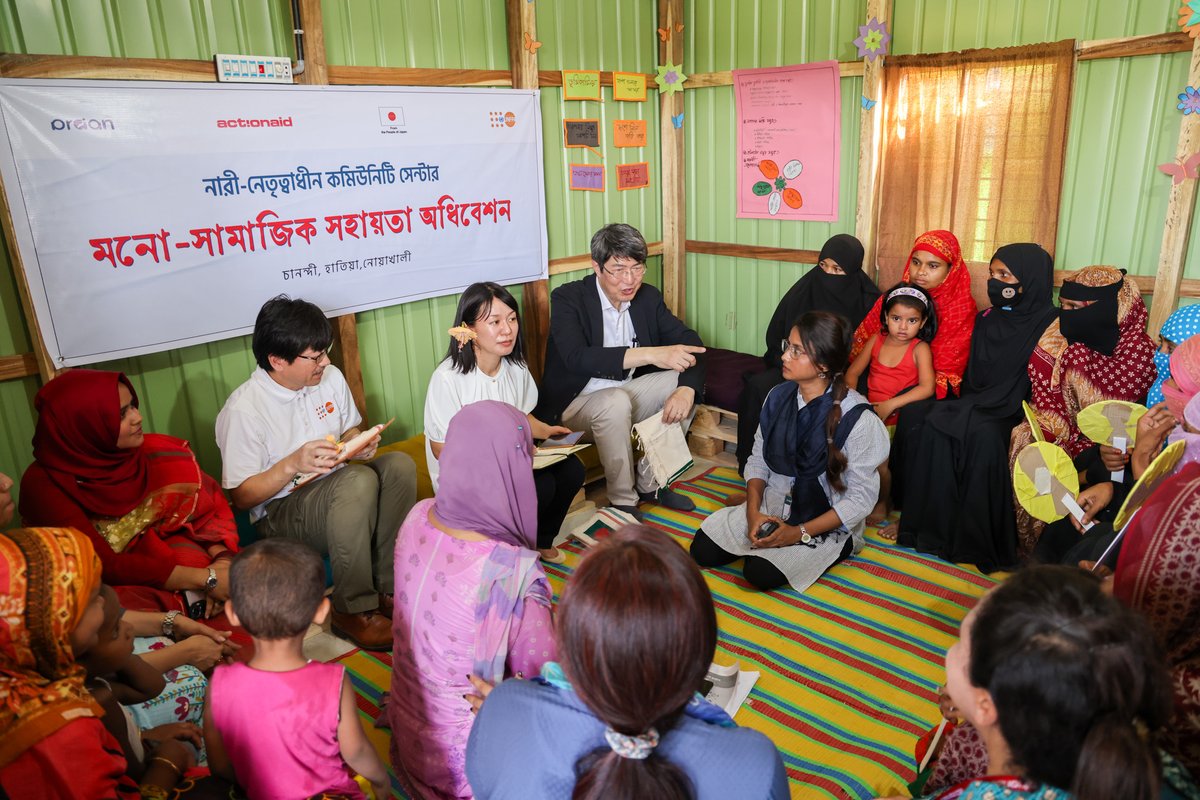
{"x":775,"y":187}
{"x":670,"y":78}
{"x":1189,"y":101}
{"x":872,"y":39}
{"x":1189,"y":18}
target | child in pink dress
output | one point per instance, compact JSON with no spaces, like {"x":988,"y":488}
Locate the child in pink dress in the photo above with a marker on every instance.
{"x":281,"y":726}
{"x":471,"y":596}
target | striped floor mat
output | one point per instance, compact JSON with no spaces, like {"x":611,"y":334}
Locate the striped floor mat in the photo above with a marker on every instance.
{"x":849,"y":669}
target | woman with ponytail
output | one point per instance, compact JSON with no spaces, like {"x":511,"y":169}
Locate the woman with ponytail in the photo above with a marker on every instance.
{"x":811,"y":479}
{"x":1066,"y":689}
{"x":620,"y":717}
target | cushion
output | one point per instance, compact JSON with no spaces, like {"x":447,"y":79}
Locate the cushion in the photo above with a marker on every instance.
{"x":725,"y":371}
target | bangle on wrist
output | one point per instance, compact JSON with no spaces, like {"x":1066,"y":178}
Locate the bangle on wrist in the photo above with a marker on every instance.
{"x":174,"y":767}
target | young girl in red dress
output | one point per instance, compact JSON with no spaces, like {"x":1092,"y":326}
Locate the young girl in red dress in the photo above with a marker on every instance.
{"x":901,"y":366}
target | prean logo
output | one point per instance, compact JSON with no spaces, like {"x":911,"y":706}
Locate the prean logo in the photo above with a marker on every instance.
{"x":238,"y":122}
{"x":82,"y":125}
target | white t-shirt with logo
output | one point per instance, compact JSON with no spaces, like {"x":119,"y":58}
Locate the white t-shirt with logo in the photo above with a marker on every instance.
{"x":450,"y":390}
{"x":263,"y":422}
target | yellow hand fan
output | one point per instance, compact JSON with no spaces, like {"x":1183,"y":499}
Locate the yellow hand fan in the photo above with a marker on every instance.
{"x":1031,"y":418}
{"x":1109,"y":420}
{"x":1160,"y":468}
{"x":1042,"y":476}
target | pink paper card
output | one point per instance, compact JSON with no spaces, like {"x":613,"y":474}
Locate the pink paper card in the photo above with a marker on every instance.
{"x":789,"y":142}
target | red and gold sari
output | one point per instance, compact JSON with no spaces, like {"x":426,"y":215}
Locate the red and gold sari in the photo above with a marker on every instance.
{"x":1158,"y":573}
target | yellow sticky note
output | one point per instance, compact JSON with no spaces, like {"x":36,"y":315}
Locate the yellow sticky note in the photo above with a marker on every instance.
{"x":581,"y":85}
{"x":630,"y":86}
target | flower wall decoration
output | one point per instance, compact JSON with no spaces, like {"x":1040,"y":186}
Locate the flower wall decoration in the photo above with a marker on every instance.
{"x":873,"y":39}
{"x":670,"y":78}
{"x":1189,"y":101}
{"x":1189,"y":18}
{"x":775,"y":188}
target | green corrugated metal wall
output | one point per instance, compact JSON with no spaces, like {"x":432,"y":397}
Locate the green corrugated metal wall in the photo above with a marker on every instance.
{"x":1123,"y":123}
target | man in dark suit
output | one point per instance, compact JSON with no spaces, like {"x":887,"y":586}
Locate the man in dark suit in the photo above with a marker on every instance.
{"x":615,"y":357}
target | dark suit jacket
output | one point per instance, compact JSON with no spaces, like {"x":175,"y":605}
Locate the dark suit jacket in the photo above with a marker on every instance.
{"x":575,"y":352}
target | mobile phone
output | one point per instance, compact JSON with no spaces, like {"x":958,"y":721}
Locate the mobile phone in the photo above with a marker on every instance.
{"x":196,"y":604}
{"x":566,"y":440}
{"x":766,"y":529}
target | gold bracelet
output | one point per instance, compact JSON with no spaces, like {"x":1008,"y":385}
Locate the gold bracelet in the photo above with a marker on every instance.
{"x":169,"y":763}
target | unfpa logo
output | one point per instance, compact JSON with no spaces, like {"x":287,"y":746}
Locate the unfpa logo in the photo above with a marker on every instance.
{"x":82,"y":125}
{"x":325,"y":410}
{"x":502,"y":119}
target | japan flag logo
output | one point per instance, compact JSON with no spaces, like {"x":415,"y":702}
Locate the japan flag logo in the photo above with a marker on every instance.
{"x":391,"y":117}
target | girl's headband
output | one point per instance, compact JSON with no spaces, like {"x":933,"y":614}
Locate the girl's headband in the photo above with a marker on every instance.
{"x":908,"y":291}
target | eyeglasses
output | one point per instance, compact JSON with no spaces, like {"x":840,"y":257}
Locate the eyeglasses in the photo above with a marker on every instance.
{"x":324,"y":355}
{"x":622,"y":273}
{"x":789,"y":349}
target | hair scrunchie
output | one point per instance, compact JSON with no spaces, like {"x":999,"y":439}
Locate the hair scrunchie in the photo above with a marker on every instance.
{"x":637,"y":747}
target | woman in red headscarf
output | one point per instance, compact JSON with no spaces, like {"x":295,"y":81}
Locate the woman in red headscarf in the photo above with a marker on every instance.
{"x":159,"y":524}
{"x":935,"y":263}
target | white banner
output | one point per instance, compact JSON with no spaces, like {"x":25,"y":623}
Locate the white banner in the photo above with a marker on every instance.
{"x":150,"y":216}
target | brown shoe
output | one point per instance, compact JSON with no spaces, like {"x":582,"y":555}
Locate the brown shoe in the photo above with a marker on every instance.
{"x":385,"y":604}
{"x":369,"y":630}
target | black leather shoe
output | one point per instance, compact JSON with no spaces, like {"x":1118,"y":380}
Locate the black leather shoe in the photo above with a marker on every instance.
{"x":669,"y":498}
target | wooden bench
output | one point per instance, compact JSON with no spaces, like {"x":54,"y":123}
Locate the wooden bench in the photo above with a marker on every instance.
{"x":713,"y":435}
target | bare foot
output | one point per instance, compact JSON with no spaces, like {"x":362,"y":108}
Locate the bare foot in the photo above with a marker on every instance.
{"x":735,"y":499}
{"x":552,"y":555}
{"x":890,"y":532}
{"x":878,"y":514}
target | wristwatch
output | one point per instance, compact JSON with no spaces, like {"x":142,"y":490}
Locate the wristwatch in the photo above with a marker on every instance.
{"x":211,"y":583}
{"x":168,"y":624}
{"x":805,"y":536}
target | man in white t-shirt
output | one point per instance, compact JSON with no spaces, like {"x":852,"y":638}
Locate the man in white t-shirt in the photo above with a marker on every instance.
{"x":280,"y":424}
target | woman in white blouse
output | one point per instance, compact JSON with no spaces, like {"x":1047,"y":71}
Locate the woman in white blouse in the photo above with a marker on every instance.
{"x":486,"y":361}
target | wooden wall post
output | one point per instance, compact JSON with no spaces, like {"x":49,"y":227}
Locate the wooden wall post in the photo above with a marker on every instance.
{"x":46,"y":368}
{"x":674,"y":218}
{"x":521,"y":19}
{"x":345,"y":328}
{"x":866,"y":218}
{"x":1178,"y":225}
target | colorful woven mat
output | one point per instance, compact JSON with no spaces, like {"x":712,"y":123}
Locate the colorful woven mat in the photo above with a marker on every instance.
{"x":849,"y":670}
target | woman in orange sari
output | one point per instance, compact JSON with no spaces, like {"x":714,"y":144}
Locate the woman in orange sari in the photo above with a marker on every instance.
{"x":158,"y":523}
{"x":52,"y":742}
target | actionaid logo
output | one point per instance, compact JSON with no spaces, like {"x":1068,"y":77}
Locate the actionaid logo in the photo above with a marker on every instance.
{"x":82,"y":125}
{"x":272,"y":122}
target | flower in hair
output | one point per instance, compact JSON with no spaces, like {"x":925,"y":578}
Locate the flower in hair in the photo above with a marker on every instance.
{"x":462,"y":334}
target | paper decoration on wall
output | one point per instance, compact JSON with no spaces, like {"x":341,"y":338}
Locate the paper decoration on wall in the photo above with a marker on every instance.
{"x":1035,"y":427}
{"x":664,"y":34}
{"x":1161,"y":467}
{"x":788,"y":142}
{"x":1189,"y":18}
{"x":629,"y":133}
{"x":581,"y":85}
{"x":868,"y":104}
{"x":1043,"y":476}
{"x":1189,"y":101}
{"x":1182,"y":168}
{"x":629,"y":86}
{"x":677,"y":120}
{"x":872,"y":39}
{"x":633,"y":176}
{"x":587,"y":178}
{"x":531,"y":44}
{"x":670,"y":78}
{"x":775,"y":188}
{"x":582,"y":133}
{"x":1109,"y":420}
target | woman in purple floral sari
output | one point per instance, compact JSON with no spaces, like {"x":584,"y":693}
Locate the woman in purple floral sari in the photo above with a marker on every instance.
{"x":471,"y":596}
